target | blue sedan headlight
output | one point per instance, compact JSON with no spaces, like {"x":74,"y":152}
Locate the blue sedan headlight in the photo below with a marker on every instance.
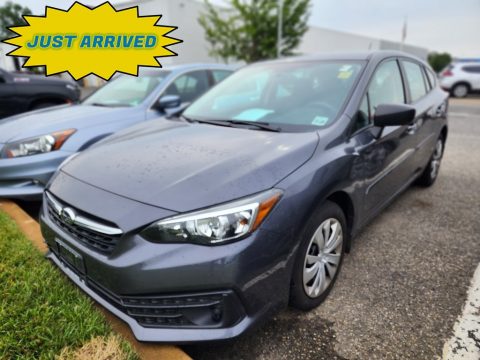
{"x":36,"y":145}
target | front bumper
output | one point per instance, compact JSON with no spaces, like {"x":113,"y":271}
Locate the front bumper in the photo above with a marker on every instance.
{"x":242,"y":281}
{"x":25,"y":177}
{"x":155,"y":334}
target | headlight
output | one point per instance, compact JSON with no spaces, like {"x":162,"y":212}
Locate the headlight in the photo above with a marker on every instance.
{"x":215,"y":225}
{"x":37,"y":145}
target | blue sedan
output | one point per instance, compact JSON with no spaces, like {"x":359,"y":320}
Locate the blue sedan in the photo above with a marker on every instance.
{"x":33,"y":145}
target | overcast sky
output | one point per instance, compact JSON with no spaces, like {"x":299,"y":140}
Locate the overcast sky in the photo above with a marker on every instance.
{"x":439,"y":25}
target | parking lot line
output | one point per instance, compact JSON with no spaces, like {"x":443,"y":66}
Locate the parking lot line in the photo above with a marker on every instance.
{"x":146,"y":351}
{"x":465,"y":342}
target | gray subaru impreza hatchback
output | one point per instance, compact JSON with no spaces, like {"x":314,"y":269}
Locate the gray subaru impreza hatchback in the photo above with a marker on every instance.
{"x":198,"y":227}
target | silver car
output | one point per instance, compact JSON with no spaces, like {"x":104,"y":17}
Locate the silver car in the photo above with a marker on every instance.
{"x":33,"y":145}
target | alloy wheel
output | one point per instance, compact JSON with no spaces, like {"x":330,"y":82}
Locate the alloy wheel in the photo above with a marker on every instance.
{"x":323,"y":257}
{"x":436,"y":159}
{"x":460,"y":91}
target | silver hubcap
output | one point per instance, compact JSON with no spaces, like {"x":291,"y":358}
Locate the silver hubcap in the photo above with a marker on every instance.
{"x":323,"y":257}
{"x":460,"y":91}
{"x":436,"y":158}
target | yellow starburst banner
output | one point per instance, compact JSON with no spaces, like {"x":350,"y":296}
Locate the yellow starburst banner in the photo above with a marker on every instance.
{"x":100,"y":41}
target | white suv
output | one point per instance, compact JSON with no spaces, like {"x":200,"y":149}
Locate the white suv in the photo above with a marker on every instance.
{"x":461,"y":78}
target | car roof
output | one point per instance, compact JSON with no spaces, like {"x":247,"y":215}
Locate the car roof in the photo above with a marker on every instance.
{"x":184,"y":67}
{"x":469,"y":63}
{"x":376,"y":55}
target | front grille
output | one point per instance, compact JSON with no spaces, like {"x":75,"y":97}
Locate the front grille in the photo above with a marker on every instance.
{"x":95,"y":240}
{"x":183,"y":311}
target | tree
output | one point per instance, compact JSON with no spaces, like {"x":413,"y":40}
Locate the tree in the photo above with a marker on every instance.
{"x":247,"y":30}
{"x":11,"y":15}
{"x":438,"y":61}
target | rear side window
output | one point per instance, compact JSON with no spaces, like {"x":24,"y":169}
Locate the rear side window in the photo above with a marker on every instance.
{"x":472,"y":69}
{"x":386,"y":86}
{"x":219,"y":75}
{"x":415,"y":80}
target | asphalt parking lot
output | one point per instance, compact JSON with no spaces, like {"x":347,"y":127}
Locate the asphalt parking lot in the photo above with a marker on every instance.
{"x":405,"y":281}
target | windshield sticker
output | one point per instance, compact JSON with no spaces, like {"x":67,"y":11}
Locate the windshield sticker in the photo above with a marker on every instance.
{"x":345,"y":72}
{"x":253,"y":114}
{"x":320,"y":120}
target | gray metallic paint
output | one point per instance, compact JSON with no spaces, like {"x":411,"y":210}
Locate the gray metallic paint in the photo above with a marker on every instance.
{"x":361,"y":171}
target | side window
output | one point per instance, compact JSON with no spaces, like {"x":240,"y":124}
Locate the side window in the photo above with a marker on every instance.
{"x":415,"y":80}
{"x":189,"y":86}
{"x":386,"y":86}
{"x":472,"y":69}
{"x":363,"y":115}
{"x":219,"y":75}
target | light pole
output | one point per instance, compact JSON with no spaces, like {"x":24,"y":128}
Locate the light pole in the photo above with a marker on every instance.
{"x":279,"y":28}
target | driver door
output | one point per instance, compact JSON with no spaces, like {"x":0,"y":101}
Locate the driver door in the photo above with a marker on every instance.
{"x":384,"y":161}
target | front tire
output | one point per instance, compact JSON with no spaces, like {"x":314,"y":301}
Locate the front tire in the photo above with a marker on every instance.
{"x":460,"y":90}
{"x":430,"y":173}
{"x":319,"y":257}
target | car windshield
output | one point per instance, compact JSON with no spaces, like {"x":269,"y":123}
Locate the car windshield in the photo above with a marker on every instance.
{"x":289,"y":95}
{"x":126,"y":90}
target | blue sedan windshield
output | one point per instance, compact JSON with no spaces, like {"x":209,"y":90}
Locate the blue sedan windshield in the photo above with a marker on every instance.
{"x":304,"y":93}
{"x":126,"y":90}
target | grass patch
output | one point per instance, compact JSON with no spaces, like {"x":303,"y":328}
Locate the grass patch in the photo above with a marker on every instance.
{"x":41,"y":312}
{"x":99,"y":348}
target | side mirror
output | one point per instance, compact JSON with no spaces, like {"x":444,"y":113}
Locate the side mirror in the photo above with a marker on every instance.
{"x":393,"y":115}
{"x":168,"y":102}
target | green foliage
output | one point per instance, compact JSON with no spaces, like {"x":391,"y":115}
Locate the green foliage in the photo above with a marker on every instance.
{"x":11,"y":15}
{"x":438,"y":61}
{"x":247,"y":30}
{"x":40,"y":311}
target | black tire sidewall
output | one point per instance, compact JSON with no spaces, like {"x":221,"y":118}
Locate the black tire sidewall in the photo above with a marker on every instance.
{"x":298,"y":297}
{"x":426,"y":179}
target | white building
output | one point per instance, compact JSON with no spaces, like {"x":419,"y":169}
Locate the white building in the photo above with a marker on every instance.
{"x":6,"y":62}
{"x":185,"y":13}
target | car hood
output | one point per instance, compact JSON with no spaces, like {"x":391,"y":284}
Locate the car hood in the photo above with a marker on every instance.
{"x":183,"y":167}
{"x":45,"y":121}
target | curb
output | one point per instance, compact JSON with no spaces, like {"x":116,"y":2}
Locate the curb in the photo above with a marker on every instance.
{"x":146,"y":351}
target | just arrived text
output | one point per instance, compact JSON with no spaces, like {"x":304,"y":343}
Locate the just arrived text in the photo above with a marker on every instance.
{"x":138,"y":41}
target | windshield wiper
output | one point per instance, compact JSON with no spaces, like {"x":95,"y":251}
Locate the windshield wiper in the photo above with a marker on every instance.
{"x":259,"y":124}
{"x":183,"y":117}
{"x":99,"y":104}
{"x":211,"y":122}
{"x":231,"y":123}
{"x":109,"y":105}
